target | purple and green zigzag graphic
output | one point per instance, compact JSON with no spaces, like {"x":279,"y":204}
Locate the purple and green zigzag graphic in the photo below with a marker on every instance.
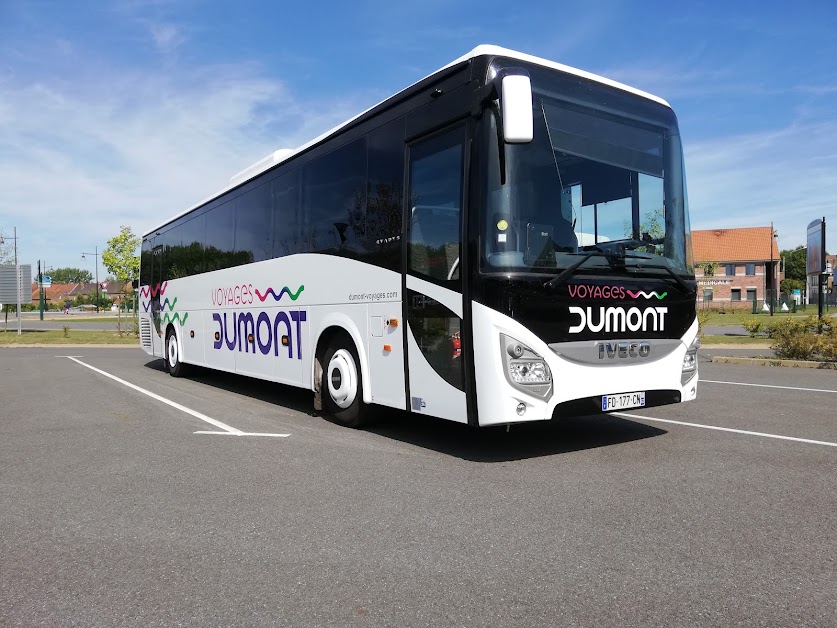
{"x":285,"y":290}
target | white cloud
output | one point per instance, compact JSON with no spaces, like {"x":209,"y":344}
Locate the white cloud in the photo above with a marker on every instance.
{"x":787,"y":176}
{"x":80,"y":159}
{"x":166,"y":37}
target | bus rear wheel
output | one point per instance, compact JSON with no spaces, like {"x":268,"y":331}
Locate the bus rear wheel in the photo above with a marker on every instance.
{"x":342,"y":384}
{"x":174,"y":366}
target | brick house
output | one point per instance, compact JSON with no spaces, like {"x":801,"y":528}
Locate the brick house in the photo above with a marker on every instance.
{"x":735,"y":267}
{"x":58,"y":293}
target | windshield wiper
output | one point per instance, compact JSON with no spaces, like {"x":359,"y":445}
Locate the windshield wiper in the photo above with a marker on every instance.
{"x":616,"y":260}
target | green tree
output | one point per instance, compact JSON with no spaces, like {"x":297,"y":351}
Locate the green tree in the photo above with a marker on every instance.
{"x":789,"y":285}
{"x":794,"y":263}
{"x":70,"y":275}
{"x":121,"y":258}
{"x":651,"y":229}
{"x":7,"y":248}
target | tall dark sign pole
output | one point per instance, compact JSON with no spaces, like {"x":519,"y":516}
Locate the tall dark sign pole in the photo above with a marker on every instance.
{"x":822,"y":277}
{"x":815,"y":257}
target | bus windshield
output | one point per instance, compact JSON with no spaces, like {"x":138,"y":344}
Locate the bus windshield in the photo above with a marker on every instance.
{"x":604,"y":181}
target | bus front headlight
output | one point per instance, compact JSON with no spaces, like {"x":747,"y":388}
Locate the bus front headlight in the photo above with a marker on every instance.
{"x":529,"y":372}
{"x":690,"y":362}
{"x":525,"y":370}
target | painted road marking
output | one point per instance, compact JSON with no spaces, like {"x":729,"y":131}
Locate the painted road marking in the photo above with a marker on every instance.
{"x":230,"y":431}
{"x":712,"y":381}
{"x":243,"y":434}
{"x":727,"y":429}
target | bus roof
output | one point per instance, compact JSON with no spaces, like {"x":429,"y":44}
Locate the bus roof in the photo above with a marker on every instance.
{"x":284,"y":154}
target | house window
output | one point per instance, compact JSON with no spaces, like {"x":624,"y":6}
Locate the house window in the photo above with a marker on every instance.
{"x":730,"y":270}
{"x":735,"y":294}
{"x":751,"y":294}
{"x":707,"y":294}
{"x":750,"y":269}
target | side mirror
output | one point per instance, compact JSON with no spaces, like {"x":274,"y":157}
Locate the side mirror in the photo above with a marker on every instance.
{"x":516,"y":104}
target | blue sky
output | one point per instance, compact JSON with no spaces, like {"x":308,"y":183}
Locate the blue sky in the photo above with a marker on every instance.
{"x":130,"y":111}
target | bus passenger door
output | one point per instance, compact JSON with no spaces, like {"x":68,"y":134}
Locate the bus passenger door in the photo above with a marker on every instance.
{"x":433,"y":295}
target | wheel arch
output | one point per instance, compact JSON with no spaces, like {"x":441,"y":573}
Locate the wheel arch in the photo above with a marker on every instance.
{"x":333,"y":325}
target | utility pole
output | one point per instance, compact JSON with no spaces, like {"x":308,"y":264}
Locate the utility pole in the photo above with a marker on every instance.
{"x":40,"y":291}
{"x":96,"y":254}
{"x":17,"y":283}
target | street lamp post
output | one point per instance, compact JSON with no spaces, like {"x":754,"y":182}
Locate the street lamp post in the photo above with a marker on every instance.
{"x":17,"y":271}
{"x":96,"y":254}
{"x":41,"y":293}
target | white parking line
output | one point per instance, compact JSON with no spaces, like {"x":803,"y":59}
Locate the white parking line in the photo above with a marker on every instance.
{"x":244,"y":434}
{"x":712,"y":381}
{"x":727,"y":429}
{"x":231,"y":431}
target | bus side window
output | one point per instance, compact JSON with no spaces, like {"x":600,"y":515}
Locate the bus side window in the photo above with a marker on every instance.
{"x":384,"y":194}
{"x":334,"y":199}
{"x":436,"y":167}
{"x":287,"y":235}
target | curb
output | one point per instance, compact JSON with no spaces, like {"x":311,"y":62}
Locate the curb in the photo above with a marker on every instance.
{"x":733,"y":345}
{"x":807,"y":364}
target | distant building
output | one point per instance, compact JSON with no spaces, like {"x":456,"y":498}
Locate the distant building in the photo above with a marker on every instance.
{"x":58,"y":293}
{"x":735,"y":267}
{"x":829,"y":295}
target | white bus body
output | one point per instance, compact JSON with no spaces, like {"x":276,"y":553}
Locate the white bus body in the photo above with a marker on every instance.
{"x":416,"y":258}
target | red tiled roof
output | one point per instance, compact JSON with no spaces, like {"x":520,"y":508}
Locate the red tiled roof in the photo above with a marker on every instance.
{"x":750,"y":244}
{"x":57,"y":292}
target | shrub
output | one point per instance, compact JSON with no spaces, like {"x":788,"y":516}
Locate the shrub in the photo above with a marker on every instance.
{"x":754,"y":326}
{"x":793,"y":340}
{"x":703,"y":318}
{"x":828,"y":341}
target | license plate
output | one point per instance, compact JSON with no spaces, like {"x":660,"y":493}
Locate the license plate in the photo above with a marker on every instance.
{"x":623,"y":401}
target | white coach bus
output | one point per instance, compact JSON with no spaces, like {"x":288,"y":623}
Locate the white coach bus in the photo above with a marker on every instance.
{"x":506,"y":240}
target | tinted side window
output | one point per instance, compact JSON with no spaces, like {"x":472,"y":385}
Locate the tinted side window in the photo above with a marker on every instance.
{"x":170,"y":242}
{"x":190,"y":254}
{"x":145,"y":263}
{"x":254,"y":225}
{"x":334,"y":199}
{"x":156,"y":262}
{"x":385,"y":193}
{"x":436,"y":167}
{"x":287,"y":236}
{"x":219,"y":251}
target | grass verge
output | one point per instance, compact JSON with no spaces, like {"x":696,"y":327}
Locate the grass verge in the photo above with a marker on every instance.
{"x":733,"y":340}
{"x":73,"y":337}
{"x":737,"y":317}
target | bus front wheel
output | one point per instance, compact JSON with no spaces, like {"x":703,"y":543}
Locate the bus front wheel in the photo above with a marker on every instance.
{"x":342,"y":384}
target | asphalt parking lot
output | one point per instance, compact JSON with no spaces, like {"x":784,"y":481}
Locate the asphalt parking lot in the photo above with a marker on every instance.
{"x":238,"y":507}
